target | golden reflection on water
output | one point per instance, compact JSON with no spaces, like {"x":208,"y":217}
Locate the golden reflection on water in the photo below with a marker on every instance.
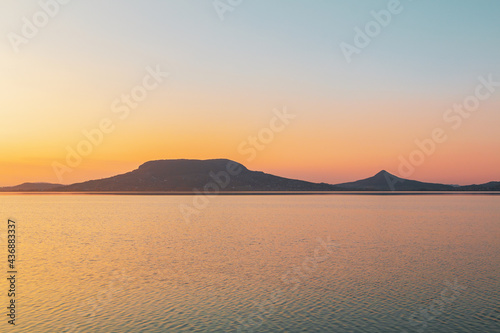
{"x":118,"y":263}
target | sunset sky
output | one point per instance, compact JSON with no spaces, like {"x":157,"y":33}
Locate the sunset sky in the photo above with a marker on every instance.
{"x":352,"y":119}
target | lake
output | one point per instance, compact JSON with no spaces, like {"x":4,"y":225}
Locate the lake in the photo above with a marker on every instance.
{"x":281,"y":263}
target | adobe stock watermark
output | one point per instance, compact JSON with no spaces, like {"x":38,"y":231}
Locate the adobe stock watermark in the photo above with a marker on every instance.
{"x":373,"y":28}
{"x":223,"y":6}
{"x":31,"y":26}
{"x":121,"y":107}
{"x":255,"y":143}
{"x":292,"y":280}
{"x":248,"y":148}
{"x":436,"y":307}
{"x":102,"y":298}
{"x":453,"y":116}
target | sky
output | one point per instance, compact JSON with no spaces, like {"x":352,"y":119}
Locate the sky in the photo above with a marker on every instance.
{"x":315,"y":90}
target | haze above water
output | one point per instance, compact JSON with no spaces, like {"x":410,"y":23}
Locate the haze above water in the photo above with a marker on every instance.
{"x":104,"y":263}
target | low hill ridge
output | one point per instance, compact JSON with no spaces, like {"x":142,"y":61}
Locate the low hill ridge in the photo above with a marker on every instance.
{"x":384,"y":181}
{"x":191,"y":175}
{"x":30,"y":187}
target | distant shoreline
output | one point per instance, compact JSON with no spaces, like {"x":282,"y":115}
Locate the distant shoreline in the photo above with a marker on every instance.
{"x":226,"y":177}
{"x":260,"y":193}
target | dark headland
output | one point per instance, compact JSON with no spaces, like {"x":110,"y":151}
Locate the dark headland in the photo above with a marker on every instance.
{"x":194,"y":176}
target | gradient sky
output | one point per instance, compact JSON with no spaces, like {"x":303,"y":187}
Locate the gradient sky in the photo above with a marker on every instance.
{"x":226,"y":77}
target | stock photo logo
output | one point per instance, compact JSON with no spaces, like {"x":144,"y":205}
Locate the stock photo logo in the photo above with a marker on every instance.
{"x":455,"y":116}
{"x":381,"y":19}
{"x":224,"y":7}
{"x":122,"y":107}
{"x":249,"y":148}
{"x":32,"y":25}
{"x":436,"y":307}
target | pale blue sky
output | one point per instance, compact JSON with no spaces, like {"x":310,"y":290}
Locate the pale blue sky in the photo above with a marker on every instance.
{"x":430,"y":45}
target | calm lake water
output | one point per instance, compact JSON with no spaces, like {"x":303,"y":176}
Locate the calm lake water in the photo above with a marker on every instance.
{"x":340,"y":263}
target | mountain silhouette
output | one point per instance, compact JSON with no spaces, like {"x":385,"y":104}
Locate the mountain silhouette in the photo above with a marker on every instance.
{"x":30,"y":187}
{"x":208,"y":176}
{"x":491,"y":186}
{"x":384,"y":181}
{"x":194,"y":175}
